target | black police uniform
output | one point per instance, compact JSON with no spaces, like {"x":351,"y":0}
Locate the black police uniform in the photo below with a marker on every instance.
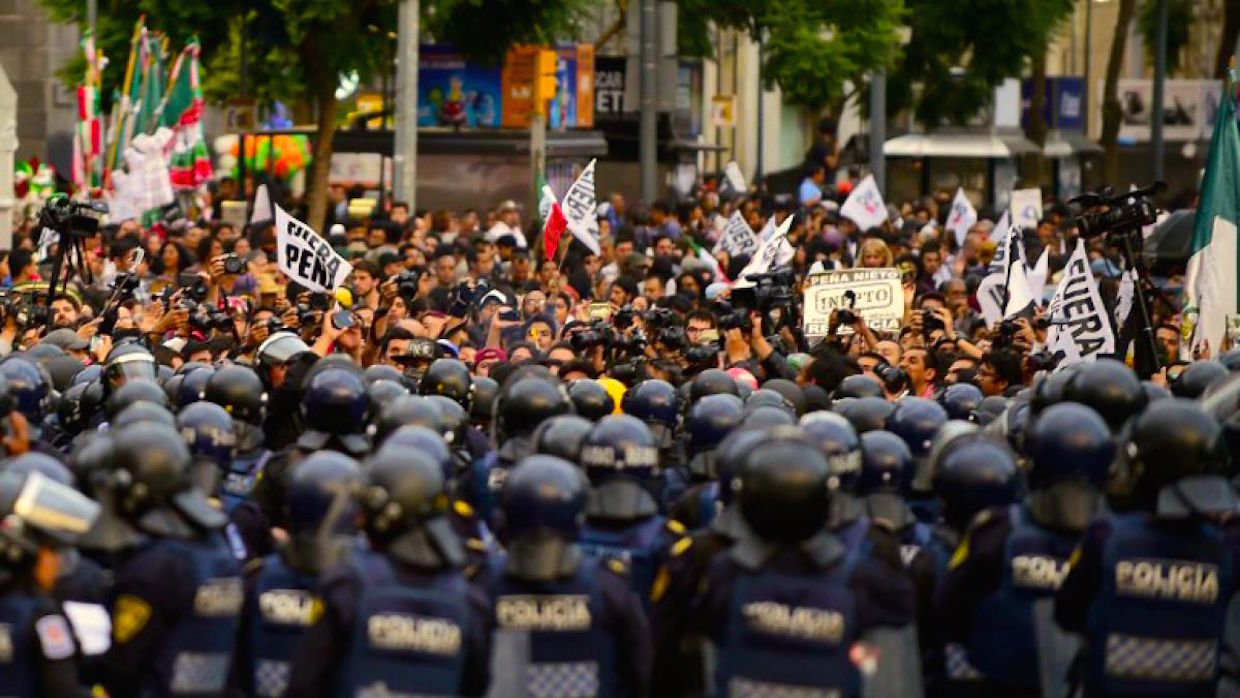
{"x":38,"y":653}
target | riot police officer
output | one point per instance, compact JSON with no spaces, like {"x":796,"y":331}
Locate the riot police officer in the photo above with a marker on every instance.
{"x":559,"y":616}
{"x":177,"y":591}
{"x":784,"y":606}
{"x":1149,"y":589}
{"x":621,"y":460}
{"x":240,"y":392}
{"x":710,"y":421}
{"x":997,"y":594}
{"x":657,"y":403}
{"x":524,"y":403}
{"x":399,"y":618}
{"x":561,"y":436}
{"x":590,"y":400}
{"x":39,"y":651}
{"x":282,"y":362}
{"x":281,"y":596}
{"x":917,"y":420}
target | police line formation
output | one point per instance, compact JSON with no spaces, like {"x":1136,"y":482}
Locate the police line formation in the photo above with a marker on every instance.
{"x":446,"y":534}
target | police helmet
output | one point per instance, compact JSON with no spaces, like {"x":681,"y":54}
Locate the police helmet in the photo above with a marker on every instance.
{"x":541,"y":510}
{"x":653,"y":401}
{"x":1196,"y":377}
{"x":171,"y":387}
{"x":320,"y":510}
{"x":620,"y":457}
{"x":192,"y":386}
{"x":43,"y":351}
{"x":449,"y":378}
{"x":239,"y":391}
{"x":62,"y":370}
{"x":989,"y":409}
{"x":28,"y":386}
{"x":382,"y":372}
{"x":837,"y":440}
{"x":453,"y":420}
{"x":959,"y":400}
{"x":45,"y":465}
{"x":143,"y":411}
{"x":977,"y":471}
{"x":279,"y":348}
{"x":590,"y":400}
{"x":384,"y":391}
{"x":1154,"y":392}
{"x":210,"y":433}
{"x":710,"y":421}
{"x":335,"y":406}
{"x":1230,"y":359}
{"x":527,"y":402}
{"x":859,"y":385}
{"x":561,"y":436}
{"x":1178,"y":461}
{"x":791,"y":392}
{"x":133,"y":392}
{"x":89,"y":374}
{"x":784,"y":485}
{"x":404,"y":505}
{"x":712,"y":381}
{"x":77,"y":406}
{"x":128,"y":362}
{"x":406,"y":410}
{"x":1050,"y":389}
{"x":886,"y":465}
{"x":153,"y":483}
{"x":1070,"y":454}
{"x":763,"y":397}
{"x":91,"y":463}
{"x":418,"y":439}
{"x":1110,"y":388}
{"x":765,"y":416}
{"x":865,"y":414}
{"x":38,"y":511}
{"x":481,"y":411}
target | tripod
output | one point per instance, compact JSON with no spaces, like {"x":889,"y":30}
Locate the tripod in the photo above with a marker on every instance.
{"x":1145,"y":349}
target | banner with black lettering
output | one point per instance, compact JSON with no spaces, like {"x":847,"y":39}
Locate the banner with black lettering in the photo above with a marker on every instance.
{"x":305,"y":257}
{"x":737,"y":237}
{"x":1079,"y":325}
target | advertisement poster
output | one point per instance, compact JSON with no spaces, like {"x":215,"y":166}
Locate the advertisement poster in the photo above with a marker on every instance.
{"x":453,"y":93}
{"x":572,"y":105}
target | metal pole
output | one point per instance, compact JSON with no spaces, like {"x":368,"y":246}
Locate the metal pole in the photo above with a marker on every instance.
{"x":405,"y":155}
{"x":878,"y":128}
{"x":1160,"y":77}
{"x":92,"y":19}
{"x":1089,"y":61}
{"x":648,"y":136}
{"x":757,"y":168}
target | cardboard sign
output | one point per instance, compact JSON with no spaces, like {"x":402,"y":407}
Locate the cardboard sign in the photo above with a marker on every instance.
{"x":864,"y":205}
{"x":305,"y":257}
{"x":737,"y":237}
{"x":880,"y":299}
{"x":1026,"y":207}
{"x":736,"y":180}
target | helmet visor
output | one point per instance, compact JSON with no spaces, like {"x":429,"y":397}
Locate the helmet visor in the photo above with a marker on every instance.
{"x":280,"y":348}
{"x":56,"y":510}
{"x":131,"y":367}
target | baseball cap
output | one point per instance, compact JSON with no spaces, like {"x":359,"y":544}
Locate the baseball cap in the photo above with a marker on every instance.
{"x":66,"y":339}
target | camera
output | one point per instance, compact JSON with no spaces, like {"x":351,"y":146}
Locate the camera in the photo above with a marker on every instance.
{"x":895,"y":379}
{"x":659,"y":318}
{"x":305,"y":314}
{"x":407,"y":285}
{"x":731,"y":318}
{"x":597,"y":334}
{"x":672,"y":338}
{"x":623,"y":319}
{"x":1007,"y":331}
{"x":1126,"y":211}
{"x":931,"y":323}
{"x":700,"y":357}
{"x":68,"y":217}
{"x":207,"y":319}
{"x":234,"y":264}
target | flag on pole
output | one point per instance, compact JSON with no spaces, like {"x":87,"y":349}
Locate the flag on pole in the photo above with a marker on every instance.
{"x":124,"y":100}
{"x":1210,"y":286}
{"x":554,"y":222}
{"x":181,"y":111}
{"x":580,"y":210}
{"x":87,"y":144}
{"x":962,"y":217}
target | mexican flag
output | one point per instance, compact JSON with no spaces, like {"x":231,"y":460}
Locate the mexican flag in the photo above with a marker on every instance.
{"x":1210,"y":287}
{"x":88,"y":142}
{"x":181,"y":111}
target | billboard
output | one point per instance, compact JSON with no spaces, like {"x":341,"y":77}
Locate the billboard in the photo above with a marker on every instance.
{"x":453,"y":93}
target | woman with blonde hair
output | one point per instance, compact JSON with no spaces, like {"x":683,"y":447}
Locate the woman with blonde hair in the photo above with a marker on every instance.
{"x":874,"y":254}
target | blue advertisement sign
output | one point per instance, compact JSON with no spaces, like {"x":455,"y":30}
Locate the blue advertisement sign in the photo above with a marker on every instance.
{"x":453,"y":93}
{"x":1064,"y":105}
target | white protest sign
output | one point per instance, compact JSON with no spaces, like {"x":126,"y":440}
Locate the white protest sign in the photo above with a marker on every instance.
{"x":737,"y":237}
{"x":1018,"y":297}
{"x":962,"y":217}
{"x":1026,"y":207}
{"x":990,"y":298}
{"x":1013,"y":241}
{"x":305,"y":257}
{"x":879,"y":299}
{"x":864,"y":205}
{"x":736,"y":180}
{"x":768,"y":229}
{"x":580,"y":209}
{"x":262,"y":205}
{"x":1079,"y":326}
{"x":1037,"y":276}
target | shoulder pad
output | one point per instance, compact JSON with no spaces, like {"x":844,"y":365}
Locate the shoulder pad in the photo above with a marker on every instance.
{"x":617,"y":566}
{"x":462,"y":508}
{"x":675,"y":527}
{"x":681,"y":546}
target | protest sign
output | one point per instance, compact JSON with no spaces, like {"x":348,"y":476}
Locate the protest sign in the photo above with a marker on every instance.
{"x":864,"y":205}
{"x":580,"y":209}
{"x":990,"y":298}
{"x":736,"y":180}
{"x":737,"y":237}
{"x":773,"y":253}
{"x":305,"y":257}
{"x":1079,"y":326}
{"x":1026,"y":207}
{"x":962,"y":217}
{"x":879,"y":299}
{"x":262,"y":206}
{"x":1037,"y":276}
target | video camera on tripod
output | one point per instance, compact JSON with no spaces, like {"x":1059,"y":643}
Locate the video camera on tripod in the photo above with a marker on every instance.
{"x":73,"y":221}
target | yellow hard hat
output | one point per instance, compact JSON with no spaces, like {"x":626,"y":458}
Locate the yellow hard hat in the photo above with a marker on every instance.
{"x":616,"y":390}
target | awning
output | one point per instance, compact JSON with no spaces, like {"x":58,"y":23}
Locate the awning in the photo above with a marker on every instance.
{"x":958,"y":145}
{"x":1062,"y":144}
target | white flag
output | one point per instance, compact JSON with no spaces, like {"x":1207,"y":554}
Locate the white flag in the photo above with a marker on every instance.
{"x":545,"y":201}
{"x":262,"y":205}
{"x":736,"y":180}
{"x":580,"y":209}
{"x":305,"y":257}
{"x":773,"y":253}
{"x":1018,"y":299}
{"x":1037,"y":276}
{"x":1079,"y":326}
{"x":1026,"y":207}
{"x":990,"y":298}
{"x":768,"y":229}
{"x":962,"y":217}
{"x":1011,"y":242}
{"x":737,"y":238}
{"x":864,"y":205}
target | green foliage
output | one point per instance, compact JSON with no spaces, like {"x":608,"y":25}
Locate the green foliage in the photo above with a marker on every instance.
{"x":1179,"y":19}
{"x":960,"y":50}
{"x":483,"y":30}
{"x":811,"y":48}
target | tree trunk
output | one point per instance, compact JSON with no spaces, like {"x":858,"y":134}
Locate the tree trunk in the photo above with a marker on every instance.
{"x":1112,"y":113}
{"x":320,"y":166}
{"x":1035,"y":163}
{"x":1227,"y":43}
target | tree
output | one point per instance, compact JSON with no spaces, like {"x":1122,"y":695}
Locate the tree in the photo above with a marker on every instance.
{"x":1179,"y":19}
{"x":1112,"y":112}
{"x":1227,"y":42}
{"x":811,"y":49}
{"x":1044,"y":23}
{"x":300,"y":49}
